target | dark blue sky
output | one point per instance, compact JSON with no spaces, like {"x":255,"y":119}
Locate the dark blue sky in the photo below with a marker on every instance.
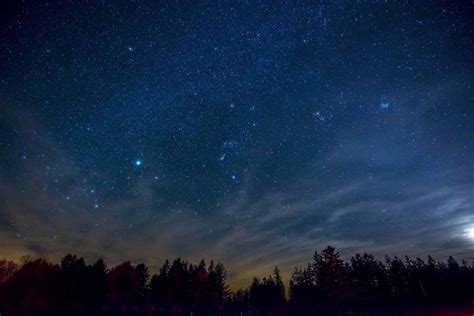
{"x":249,"y":132}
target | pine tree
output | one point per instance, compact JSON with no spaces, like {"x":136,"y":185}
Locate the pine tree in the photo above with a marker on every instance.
{"x":279,"y":287}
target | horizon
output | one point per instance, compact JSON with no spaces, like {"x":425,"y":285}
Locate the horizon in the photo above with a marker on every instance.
{"x":235,"y":284}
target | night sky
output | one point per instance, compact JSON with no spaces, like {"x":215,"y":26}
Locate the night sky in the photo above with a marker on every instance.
{"x":248,"y":132}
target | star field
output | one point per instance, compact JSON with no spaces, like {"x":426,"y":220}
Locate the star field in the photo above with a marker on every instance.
{"x":250,"y":132}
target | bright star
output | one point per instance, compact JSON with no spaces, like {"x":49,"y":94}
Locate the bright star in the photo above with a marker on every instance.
{"x":138,"y":162}
{"x":130,"y":48}
{"x":384,"y":105}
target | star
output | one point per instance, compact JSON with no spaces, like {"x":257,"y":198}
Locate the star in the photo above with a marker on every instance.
{"x":138,"y":162}
{"x":384,"y":105}
{"x":229,"y":144}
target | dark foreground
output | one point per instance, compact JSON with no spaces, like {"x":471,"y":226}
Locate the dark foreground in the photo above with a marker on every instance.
{"x":325,"y":286}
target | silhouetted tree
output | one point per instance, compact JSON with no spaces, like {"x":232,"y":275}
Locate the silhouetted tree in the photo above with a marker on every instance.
{"x":159,"y":287}
{"x":97,"y":284}
{"x":279,"y":295}
{"x":126,"y":285}
{"x":267,"y":295}
{"x":238,"y":302}
{"x":218,"y":290}
{"x":75,"y":284}
{"x":199,"y":287}
{"x":368,"y":280}
{"x":398,"y":277}
{"x":143,"y":280}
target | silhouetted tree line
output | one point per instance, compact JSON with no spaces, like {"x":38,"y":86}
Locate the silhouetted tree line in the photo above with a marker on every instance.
{"x":325,"y":286}
{"x":72,"y":287}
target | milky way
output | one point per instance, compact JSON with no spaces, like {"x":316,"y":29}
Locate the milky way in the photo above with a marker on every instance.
{"x":248,"y":132}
